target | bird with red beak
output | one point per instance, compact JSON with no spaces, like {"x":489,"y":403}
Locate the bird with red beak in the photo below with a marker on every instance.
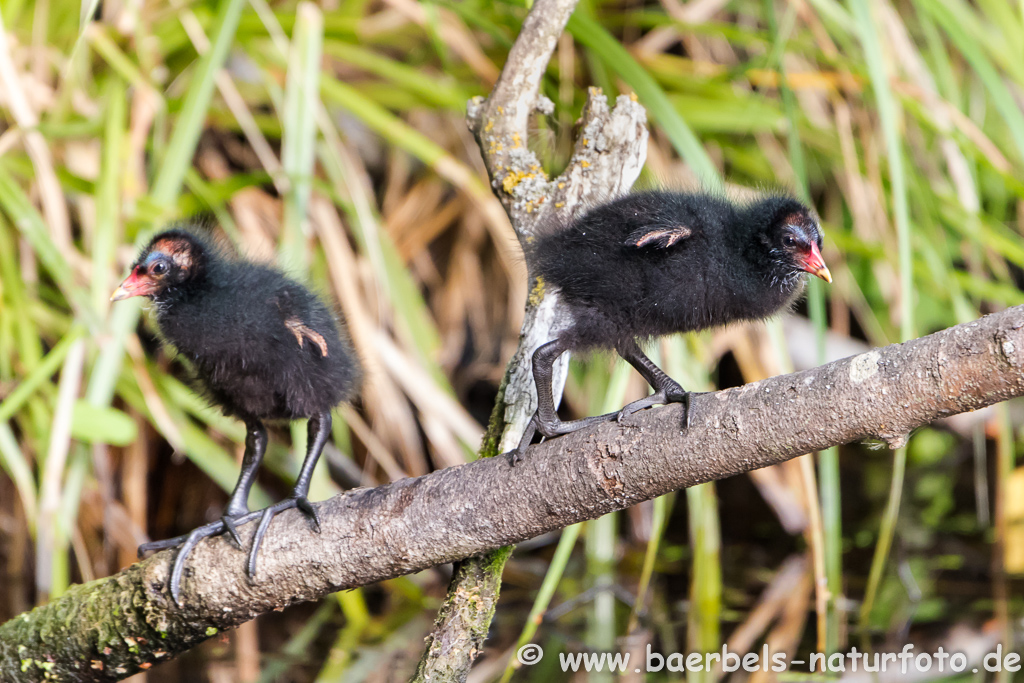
{"x":656,"y":263}
{"x":263,"y":347}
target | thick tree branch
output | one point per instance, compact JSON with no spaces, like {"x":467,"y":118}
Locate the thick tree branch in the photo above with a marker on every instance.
{"x":113,"y":627}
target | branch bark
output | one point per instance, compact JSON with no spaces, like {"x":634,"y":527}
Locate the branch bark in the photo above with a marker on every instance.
{"x":111,"y":628}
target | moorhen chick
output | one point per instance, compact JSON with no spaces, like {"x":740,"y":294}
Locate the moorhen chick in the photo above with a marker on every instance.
{"x":263,"y":348}
{"x":655,"y":263}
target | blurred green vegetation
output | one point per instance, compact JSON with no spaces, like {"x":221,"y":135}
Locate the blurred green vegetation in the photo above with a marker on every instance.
{"x":901,"y":122}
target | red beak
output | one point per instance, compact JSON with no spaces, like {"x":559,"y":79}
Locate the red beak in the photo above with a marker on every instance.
{"x":815,"y":265}
{"x":133,"y":285}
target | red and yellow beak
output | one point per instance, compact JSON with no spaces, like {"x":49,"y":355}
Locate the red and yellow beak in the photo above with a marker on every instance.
{"x":136,"y":284}
{"x":815,"y":265}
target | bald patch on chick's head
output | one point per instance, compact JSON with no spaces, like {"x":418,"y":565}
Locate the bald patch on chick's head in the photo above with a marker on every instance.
{"x":178,"y":249}
{"x":804,"y":223}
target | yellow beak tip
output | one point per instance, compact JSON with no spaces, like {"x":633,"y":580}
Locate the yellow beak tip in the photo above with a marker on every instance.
{"x":119,"y":294}
{"x":825,"y":275}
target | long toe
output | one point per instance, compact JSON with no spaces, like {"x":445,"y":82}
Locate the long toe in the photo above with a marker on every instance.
{"x":519,"y":452}
{"x":257,"y":540}
{"x":552,"y":428}
{"x":654,"y":399}
{"x":191,"y":541}
{"x":228,"y":523}
{"x":686,"y":398}
{"x":156,"y":546}
{"x":268,"y":515}
{"x":307,"y":509}
{"x":231,"y":525}
{"x":631,"y":408}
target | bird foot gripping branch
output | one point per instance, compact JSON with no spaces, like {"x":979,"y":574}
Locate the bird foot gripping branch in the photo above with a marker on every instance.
{"x":243,"y":326}
{"x":657,"y":263}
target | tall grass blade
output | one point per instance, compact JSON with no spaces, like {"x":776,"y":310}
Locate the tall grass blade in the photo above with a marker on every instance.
{"x":298,"y":145}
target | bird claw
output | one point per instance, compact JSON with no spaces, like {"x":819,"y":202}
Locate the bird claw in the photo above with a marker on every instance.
{"x":685,"y":398}
{"x":227,"y":523}
{"x":178,"y":569}
{"x":518,"y":454}
{"x":550,"y":429}
{"x":156,"y":546}
{"x":657,"y":398}
{"x":268,"y":514}
{"x":231,"y":527}
{"x":307,"y":509}
{"x":670,"y":394}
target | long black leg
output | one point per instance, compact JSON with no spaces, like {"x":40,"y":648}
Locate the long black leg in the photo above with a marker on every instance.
{"x":238,"y":506}
{"x":666,"y":389}
{"x":255,"y":447}
{"x":543,"y":370}
{"x":545,"y":420}
{"x":319,"y":430}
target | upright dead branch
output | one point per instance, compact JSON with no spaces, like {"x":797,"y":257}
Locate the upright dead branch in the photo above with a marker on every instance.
{"x":607,"y":157}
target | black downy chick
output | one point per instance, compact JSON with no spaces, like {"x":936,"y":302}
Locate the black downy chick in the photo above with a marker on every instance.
{"x":656,"y":263}
{"x":264,"y":348}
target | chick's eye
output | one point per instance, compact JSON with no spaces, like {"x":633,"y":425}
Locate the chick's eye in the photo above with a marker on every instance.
{"x":158,"y":268}
{"x":789,"y":241}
